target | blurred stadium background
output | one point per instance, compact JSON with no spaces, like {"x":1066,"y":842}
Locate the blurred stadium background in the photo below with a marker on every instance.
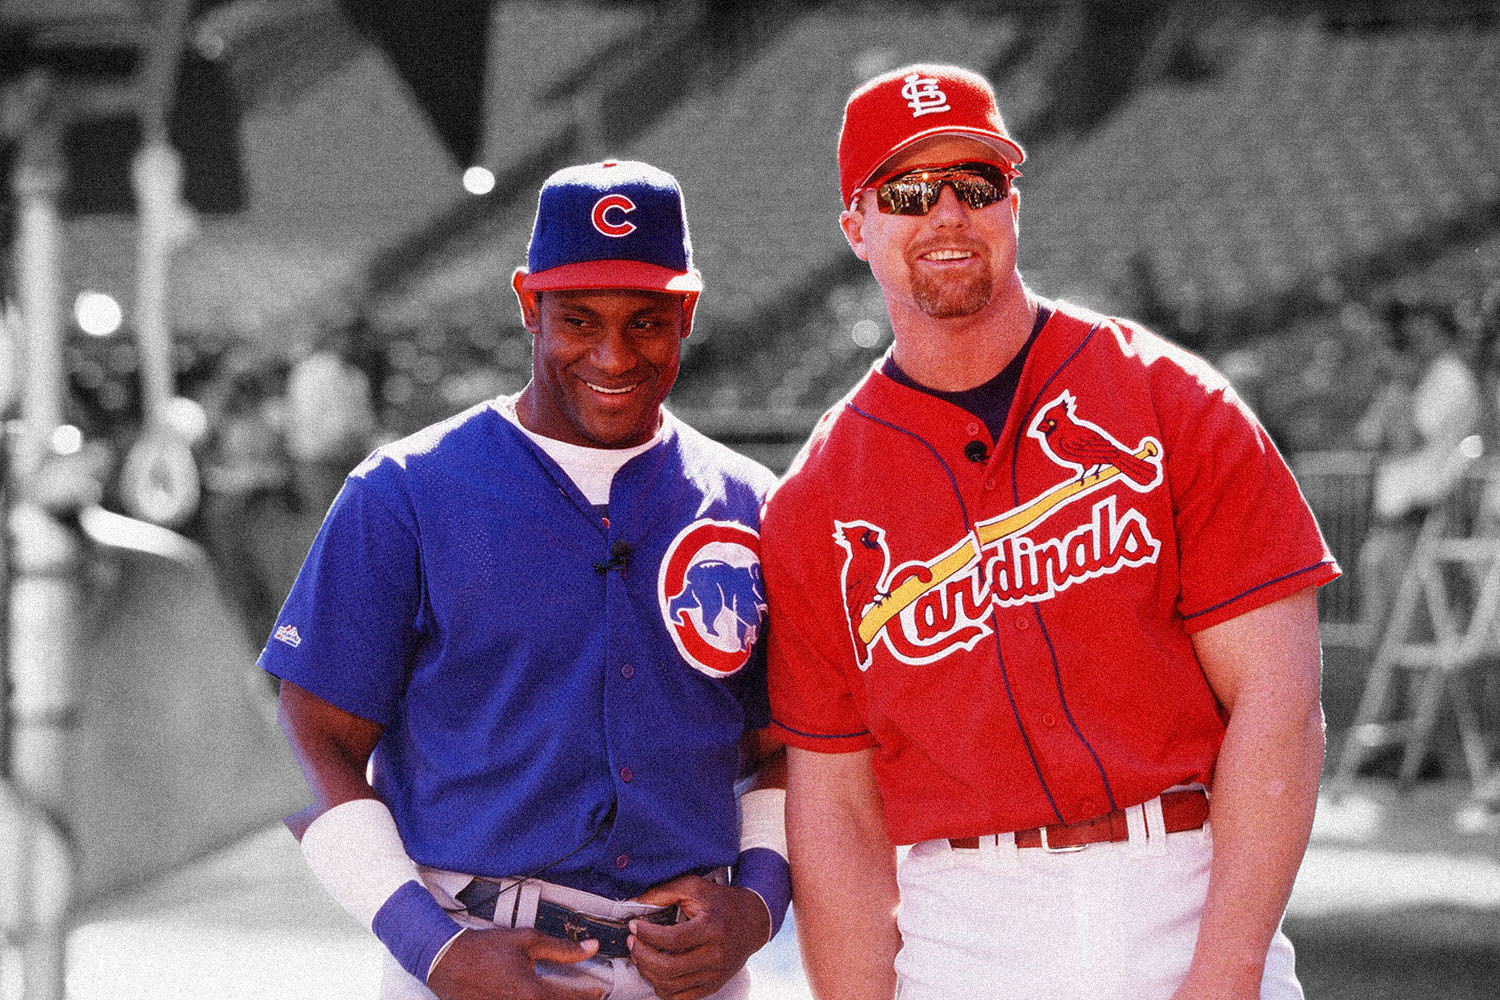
{"x":247,"y":239}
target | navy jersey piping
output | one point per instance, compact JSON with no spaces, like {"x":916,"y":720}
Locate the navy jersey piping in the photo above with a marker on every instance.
{"x":994,"y":615}
{"x":1036,"y":610}
{"x":1258,"y":586}
{"x":819,"y":736}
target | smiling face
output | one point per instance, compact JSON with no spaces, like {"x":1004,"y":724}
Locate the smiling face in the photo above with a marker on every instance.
{"x":945,"y":264}
{"x":603,"y":361}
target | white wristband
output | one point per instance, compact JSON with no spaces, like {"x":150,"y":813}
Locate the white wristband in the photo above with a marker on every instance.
{"x":355,"y":852}
{"x":763,"y":819}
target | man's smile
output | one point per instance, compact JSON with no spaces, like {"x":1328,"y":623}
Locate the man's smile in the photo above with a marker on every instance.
{"x":620,"y":391}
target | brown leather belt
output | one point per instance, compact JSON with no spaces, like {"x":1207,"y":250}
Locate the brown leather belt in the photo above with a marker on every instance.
{"x":1183,"y":810}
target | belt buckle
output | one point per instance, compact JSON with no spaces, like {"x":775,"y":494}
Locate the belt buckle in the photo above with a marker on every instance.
{"x":1074,"y":849}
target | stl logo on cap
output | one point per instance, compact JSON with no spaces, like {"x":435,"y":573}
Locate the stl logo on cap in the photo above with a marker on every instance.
{"x":712,"y":596}
{"x":924,"y":94}
{"x":601,"y":220}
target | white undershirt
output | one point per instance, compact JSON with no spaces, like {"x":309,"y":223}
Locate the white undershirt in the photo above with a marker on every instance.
{"x":591,"y":469}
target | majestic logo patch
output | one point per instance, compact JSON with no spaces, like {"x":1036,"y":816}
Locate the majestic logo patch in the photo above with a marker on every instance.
{"x":924,"y":610}
{"x":924,"y":95}
{"x":601,"y":220}
{"x":713,"y":599}
{"x":289,"y":635}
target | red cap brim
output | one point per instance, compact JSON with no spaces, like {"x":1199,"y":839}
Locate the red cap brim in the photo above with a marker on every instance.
{"x":632,"y":274}
{"x":1009,"y":151}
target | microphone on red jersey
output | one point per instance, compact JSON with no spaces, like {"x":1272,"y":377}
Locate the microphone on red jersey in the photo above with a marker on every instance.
{"x":619,"y":558}
{"x":975,"y":451}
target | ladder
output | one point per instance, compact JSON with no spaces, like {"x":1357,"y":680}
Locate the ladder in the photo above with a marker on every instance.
{"x":1448,"y":575}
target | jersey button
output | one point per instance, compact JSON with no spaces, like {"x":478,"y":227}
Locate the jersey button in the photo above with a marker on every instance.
{"x":626,"y":774}
{"x":973,"y":428}
{"x":989,"y":484}
{"x":1023,"y":623}
{"x":622,"y":861}
{"x":1088,"y":808}
{"x":1049,"y":720}
{"x":627,"y":671}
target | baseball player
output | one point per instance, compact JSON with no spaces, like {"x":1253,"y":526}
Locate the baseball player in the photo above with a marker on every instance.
{"x":540,"y":626}
{"x":1044,"y":609}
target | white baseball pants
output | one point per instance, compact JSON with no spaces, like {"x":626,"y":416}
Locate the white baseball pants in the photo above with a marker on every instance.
{"x":1115,"y":921}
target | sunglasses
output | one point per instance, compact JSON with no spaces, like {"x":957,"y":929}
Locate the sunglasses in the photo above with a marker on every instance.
{"x":914,"y":192}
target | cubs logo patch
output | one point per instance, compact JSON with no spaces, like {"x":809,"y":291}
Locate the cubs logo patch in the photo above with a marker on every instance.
{"x":713,"y":599}
{"x":613,"y":227}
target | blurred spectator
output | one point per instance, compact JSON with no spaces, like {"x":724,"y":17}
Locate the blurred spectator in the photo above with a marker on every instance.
{"x":247,"y":480}
{"x":1387,"y":425}
{"x":330,"y":422}
{"x":1486,"y":318}
{"x":1421,"y":469}
{"x":1423,"y":424}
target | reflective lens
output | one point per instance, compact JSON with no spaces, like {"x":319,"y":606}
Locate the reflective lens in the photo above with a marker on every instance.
{"x":977,"y":185}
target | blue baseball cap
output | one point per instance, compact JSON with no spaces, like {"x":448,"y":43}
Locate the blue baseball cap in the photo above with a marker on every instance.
{"x":616,"y":224}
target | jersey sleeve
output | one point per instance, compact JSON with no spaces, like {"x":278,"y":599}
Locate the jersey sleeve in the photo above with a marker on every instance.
{"x":814,"y":701}
{"x":1246,"y":536}
{"x":348,"y":629}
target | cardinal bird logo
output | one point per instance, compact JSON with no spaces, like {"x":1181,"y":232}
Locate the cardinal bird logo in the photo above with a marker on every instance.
{"x":866,"y":565}
{"x":1089,"y":448}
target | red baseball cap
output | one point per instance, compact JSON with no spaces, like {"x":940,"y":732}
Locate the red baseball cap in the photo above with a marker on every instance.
{"x":907,"y":105}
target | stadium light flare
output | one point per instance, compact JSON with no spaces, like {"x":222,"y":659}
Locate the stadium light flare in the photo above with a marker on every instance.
{"x":97,"y":314}
{"x":479,"y":180}
{"x":866,"y":333}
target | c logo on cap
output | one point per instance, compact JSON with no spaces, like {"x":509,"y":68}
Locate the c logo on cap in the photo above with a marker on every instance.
{"x":602,"y":223}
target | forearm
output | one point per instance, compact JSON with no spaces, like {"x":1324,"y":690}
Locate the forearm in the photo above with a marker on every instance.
{"x":844,"y":894}
{"x":1264,"y":794}
{"x":762,"y":863}
{"x":1264,"y":666}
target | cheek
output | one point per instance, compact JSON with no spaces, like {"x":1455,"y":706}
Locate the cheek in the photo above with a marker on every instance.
{"x":666,"y":359}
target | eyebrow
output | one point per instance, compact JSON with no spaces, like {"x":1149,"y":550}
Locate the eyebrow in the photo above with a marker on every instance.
{"x":664,"y":309}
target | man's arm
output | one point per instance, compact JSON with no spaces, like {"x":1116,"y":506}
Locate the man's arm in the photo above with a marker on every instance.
{"x":358,"y":858}
{"x":1264,"y":666}
{"x":843,"y":875}
{"x":725,"y":924}
{"x":332,"y":747}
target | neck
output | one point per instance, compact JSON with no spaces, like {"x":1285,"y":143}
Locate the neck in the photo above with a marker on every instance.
{"x":963,"y":351}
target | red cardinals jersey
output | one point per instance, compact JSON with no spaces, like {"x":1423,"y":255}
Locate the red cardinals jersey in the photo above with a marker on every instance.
{"x":1012,"y":635}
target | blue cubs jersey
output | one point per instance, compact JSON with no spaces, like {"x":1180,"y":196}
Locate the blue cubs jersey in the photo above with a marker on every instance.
{"x":558,"y":690}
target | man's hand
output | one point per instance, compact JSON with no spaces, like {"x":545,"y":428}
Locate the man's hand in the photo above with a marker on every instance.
{"x":1203,"y":986}
{"x":485,"y":964}
{"x":724,"y":927}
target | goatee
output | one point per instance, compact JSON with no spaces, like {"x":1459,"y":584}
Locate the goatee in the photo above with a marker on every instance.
{"x":946,"y":297}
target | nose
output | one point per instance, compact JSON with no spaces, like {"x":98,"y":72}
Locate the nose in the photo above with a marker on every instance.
{"x":613,"y":353}
{"x":948,"y":210}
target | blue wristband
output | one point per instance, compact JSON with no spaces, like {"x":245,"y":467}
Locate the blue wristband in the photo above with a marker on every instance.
{"x":414,"y":927}
{"x":767,"y":874}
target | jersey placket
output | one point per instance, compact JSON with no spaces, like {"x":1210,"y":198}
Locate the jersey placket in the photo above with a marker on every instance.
{"x":1067,"y":766}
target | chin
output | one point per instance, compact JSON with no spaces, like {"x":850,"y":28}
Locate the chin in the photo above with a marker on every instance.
{"x":616,"y":437}
{"x":946,"y":301}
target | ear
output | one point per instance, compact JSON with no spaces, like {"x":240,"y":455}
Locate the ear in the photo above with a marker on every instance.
{"x":530,"y":307}
{"x":852,"y":221}
{"x":689,"y":305}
